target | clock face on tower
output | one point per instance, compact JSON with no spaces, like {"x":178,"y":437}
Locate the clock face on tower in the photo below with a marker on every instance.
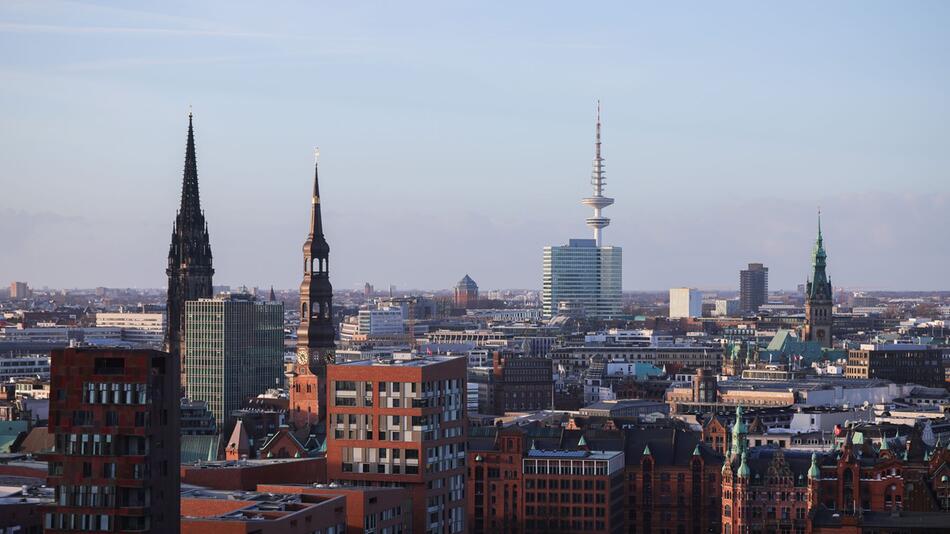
{"x":303,"y":357}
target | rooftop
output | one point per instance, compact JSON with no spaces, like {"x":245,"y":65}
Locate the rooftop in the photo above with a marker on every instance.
{"x":415,"y":361}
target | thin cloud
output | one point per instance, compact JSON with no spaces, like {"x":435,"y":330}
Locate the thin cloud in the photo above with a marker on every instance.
{"x":12,"y":27}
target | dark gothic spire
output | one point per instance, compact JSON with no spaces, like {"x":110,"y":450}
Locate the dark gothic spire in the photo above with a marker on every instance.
{"x":316,"y":243}
{"x":190,"y":200}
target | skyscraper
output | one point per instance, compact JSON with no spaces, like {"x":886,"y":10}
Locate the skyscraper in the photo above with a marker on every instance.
{"x":315,"y":336}
{"x":189,"y":256}
{"x":584,"y":276}
{"x":753,"y":287}
{"x":114,"y":463}
{"x":819,"y":301}
{"x":234,"y":350}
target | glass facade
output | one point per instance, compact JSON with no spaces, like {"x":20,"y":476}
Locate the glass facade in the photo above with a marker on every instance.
{"x":582,"y":277}
{"x":233,"y":351}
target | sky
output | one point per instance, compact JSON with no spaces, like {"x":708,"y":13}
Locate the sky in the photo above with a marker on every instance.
{"x":457,"y":137}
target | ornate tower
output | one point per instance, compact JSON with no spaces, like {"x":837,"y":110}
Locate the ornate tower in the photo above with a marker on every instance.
{"x":315,"y":337}
{"x":189,"y":256}
{"x":598,"y":179}
{"x":818,"y":298}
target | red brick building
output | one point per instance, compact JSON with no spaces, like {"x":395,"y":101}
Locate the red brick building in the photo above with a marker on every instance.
{"x":378,"y":510}
{"x":667,"y":480}
{"x":401,"y":422}
{"x":115,"y":461}
{"x":248,"y":474}
{"x":224,"y":512}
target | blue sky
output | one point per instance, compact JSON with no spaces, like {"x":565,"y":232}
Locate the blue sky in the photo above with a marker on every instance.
{"x":457,"y":138}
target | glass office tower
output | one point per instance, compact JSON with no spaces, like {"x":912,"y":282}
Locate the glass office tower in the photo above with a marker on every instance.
{"x":583,"y":279}
{"x":234,"y":350}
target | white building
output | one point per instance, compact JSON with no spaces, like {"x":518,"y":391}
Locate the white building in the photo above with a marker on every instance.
{"x":372,"y":323}
{"x":140,"y":329}
{"x":727,"y":308}
{"x":685,"y":302}
{"x":32,"y":365}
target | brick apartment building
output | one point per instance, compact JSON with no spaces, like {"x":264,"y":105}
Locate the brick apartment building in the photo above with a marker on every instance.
{"x":521,"y":383}
{"x":230,"y":512}
{"x":371,"y":510}
{"x":115,"y":460}
{"x":401,"y":422}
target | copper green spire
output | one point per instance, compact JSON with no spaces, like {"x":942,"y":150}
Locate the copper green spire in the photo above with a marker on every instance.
{"x":813,"y":472}
{"x":820,"y":285}
{"x":744,"y":470}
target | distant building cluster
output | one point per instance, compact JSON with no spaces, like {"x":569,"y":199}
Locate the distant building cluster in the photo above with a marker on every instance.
{"x":576,"y":408}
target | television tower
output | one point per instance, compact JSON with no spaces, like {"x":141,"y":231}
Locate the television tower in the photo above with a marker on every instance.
{"x":598,"y":179}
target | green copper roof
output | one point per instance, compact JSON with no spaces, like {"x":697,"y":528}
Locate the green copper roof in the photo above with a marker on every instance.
{"x":582,"y":442}
{"x":744,"y":467}
{"x":857,"y":438}
{"x":884,"y":445}
{"x":323,"y":446}
{"x":696,"y":451}
{"x":813,"y":471}
{"x":646,"y":450}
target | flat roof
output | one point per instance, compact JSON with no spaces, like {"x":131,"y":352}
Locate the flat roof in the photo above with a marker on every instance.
{"x":419,"y":361}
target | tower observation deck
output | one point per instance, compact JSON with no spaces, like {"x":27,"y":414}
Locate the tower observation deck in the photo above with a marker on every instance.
{"x":598,"y":179}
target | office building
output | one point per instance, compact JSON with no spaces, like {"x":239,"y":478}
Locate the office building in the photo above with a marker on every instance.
{"x":315,"y":335}
{"x":401,"y":422}
{"x":727,"y":307}
{"x":466,"y":293}
{"x":234,"y":350}
{"x":20,"y":290}
{"x":819,"y":300}
{"x":114,"y":464}
{"x":142,"y":330}
{"x":753,"y":287}
{"x":901,"y":362}
{"x":189,"y":257}
{"x":369,"y":324}
{"x":685,"y":302}
{"x":521,"y":383}
{"x":584,"y":277}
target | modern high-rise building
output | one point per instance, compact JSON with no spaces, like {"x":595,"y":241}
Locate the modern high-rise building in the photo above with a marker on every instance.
{"x":315,"y":336}
{"x":189,"y":256}
{"x":115,"y":459}
{"x":685,"y":302}
{"x":234,"y":351}
{"x":466,"y":292}
{"x":753,"y":287}
{"x":369,"y":324}
{"x":819,"y":300}
{"x":584,"y":277}
{"x":402,"y":422}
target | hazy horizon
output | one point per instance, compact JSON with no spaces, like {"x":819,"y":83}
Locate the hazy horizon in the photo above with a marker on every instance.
{"x":458,"y":139}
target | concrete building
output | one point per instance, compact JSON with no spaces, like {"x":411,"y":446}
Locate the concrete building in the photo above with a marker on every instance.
{"x":369,"y":324}
{"x":900,"y":362}
{"x":685,"y":302}
{"x":369,"y":510}
{"x":31,"y":365}
{"x":401,"y":422}
{"x":727,"y":307}
{"x":115,"y":457}
{"x":753,"y":287}
{"x":20,"y":290}
{"x":143,"y":330}
{"x":234,"y":350}
{"x":466,"y":293}
{"x":584,"y":277}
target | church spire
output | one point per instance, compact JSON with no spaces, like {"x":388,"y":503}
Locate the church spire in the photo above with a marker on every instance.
{"x":190,"y":199}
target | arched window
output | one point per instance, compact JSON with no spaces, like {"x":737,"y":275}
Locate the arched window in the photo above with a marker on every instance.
{"x":727,"y":510}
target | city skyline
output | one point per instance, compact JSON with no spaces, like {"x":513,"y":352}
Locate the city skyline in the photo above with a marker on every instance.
{"x":708,"y":177}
